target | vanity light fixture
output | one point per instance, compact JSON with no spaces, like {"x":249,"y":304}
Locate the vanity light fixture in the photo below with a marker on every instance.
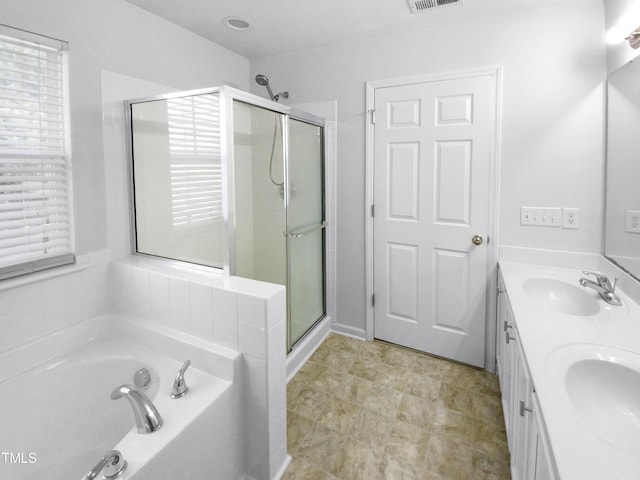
{"x":634,"y":38}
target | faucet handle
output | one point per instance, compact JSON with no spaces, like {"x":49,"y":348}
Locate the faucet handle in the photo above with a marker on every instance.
{"x":599,"y":276}
{"x":112,"y":463}
{"x":180,"y":387}
{"x":603,"y":280}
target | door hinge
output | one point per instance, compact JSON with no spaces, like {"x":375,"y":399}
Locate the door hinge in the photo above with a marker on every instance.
{"x":373,"y":210}
{"x":373,"y":300}
{"x":373,"y":116}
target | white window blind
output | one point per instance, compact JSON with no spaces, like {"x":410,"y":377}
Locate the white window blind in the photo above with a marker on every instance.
{"x":35,"y":217}
{"x":195,"y":163}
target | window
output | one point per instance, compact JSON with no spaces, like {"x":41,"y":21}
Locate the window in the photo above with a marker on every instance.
{"x":36,"y":225}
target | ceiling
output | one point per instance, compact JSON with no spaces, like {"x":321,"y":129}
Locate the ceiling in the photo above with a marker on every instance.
{"x":282,"y":26}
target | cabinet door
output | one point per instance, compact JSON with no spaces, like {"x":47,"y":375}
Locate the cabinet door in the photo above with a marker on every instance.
{"x":543,"y":468}
{"x":500,"y":319}
{"x":523,"y":453}
{"x":505,"y":343}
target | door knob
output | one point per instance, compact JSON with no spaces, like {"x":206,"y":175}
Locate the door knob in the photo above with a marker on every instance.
{"x":477,"y":240}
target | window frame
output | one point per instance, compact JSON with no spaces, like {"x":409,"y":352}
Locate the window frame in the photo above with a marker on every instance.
{"x":67,"y":256}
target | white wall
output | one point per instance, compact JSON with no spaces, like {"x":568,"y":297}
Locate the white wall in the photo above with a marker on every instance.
{"x":114,"y":35}
{"x":615,"y":12}
{"x":103,"y":35}
{"x":552,"y":119}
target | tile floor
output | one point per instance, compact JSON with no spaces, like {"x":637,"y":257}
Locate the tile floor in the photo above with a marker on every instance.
{"x":371,"y":410}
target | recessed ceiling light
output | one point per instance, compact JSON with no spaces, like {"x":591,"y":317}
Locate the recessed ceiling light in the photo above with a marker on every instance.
{"x":236,"y":23}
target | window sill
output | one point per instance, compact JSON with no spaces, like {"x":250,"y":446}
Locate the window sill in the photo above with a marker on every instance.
{"x":82,"y":263}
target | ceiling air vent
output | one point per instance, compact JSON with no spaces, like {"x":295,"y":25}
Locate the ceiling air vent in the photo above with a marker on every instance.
{"x":418,"y":5}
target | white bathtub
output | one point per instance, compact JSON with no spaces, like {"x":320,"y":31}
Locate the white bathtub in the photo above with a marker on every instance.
{"x":57,"y":418}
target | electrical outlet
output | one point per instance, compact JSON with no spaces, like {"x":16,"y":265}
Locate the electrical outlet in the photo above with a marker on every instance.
{"x":570,"y":218}
{"x":540,"y":216}
{"x":632,"y":221}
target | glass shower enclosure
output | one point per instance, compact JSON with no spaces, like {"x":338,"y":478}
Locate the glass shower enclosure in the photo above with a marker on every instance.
{"x":230,"y":180}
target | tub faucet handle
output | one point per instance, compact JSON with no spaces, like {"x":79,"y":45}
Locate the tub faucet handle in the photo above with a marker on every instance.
{"x":112,"y":463}
{"x":180,"y":387}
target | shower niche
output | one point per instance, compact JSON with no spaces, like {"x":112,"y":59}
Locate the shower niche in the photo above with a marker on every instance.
{"x":229,"y":180}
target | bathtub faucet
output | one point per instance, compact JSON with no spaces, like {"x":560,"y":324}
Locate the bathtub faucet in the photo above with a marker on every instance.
{"x":112,"y":463}
{"x":147,"y":417}
{"x":180,"y":387}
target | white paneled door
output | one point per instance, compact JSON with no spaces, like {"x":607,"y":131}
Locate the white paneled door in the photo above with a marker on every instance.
{"x":432,"y":161}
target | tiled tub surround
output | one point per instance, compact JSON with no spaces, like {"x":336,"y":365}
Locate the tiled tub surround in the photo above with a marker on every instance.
{"x":375,"y":411}
{"x":240,"y":314}
{"x":42,"y":302}
{"x":579,"y":453}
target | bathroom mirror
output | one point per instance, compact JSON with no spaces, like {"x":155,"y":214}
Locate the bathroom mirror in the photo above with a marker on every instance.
{"x":177,"y":178}
{"x":622,"y":218}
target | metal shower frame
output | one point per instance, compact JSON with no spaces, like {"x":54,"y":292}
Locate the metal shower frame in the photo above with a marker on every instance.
{"x":227,"y":95}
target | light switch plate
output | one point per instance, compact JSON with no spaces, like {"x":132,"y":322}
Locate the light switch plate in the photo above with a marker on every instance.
{"x":540,"y":216}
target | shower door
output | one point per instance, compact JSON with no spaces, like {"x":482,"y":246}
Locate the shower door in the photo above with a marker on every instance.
{"x":305,"y":217}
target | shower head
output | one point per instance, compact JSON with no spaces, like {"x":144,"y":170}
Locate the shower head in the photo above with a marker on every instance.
{"x":263,"y":80}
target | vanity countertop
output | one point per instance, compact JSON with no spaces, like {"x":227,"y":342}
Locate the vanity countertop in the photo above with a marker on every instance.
{"x":551,"y":340}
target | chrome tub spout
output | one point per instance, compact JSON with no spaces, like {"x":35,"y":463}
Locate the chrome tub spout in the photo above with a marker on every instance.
{"x":147,"y":417}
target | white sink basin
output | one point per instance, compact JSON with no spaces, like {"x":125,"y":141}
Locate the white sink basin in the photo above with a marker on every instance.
{"x":561,"y":296}
{"x":602,"y":384}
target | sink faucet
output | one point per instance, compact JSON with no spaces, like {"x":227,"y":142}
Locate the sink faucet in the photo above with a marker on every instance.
{"x":603,"y":286}
{"x":147,"y":417}
{"x":112,"y":463}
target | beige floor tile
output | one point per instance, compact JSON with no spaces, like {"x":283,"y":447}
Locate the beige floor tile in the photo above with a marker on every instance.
{"x":341,"y":360}
{"x":407,"y":447}
{"x":356,"y":461}
{"x":489,"y":439}
{"x":309,"y":403}
{"x":456,"y":399}
{"x":450,"y":459}
{"x":377,"y":411}
{"x":488,"y":408}
{"x":372,"y":429}
{"x":426,"y":387}
{"x":320,"y":447}
{"x":353,"y":389}
{"x":339,"y":415}
{"x":343,"y":343}
{"x":383,"y":400}
{"x":416,"y":411}
{"x":485,"y":467}
{"x":365,"y":368}
{"x":392,"y":467}
{"x":300,"y":469}
{"x":392,"y":376}
{"x":453,"y":426}
{"x":298,"y":426}
{"x":329,"y":380}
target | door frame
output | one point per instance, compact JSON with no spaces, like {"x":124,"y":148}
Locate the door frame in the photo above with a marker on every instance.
{"x":495,"y":73}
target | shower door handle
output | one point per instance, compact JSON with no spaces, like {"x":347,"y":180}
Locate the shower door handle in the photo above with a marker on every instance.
{"x":302,"y":233}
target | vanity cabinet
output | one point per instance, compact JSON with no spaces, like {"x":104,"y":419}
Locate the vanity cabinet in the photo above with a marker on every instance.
{"x":526,"y":437}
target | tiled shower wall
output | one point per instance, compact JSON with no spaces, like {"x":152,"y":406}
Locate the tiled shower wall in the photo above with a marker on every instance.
{"x":244,"y":315}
